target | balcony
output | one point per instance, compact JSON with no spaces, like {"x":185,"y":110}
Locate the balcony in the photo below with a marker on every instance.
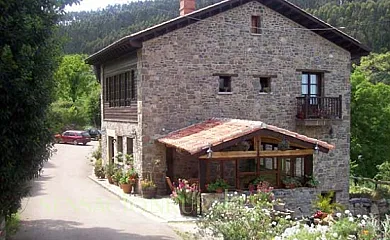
{"x":318,"y":111}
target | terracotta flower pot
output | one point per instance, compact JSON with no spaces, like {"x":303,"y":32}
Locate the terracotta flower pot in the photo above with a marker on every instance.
{"x":126,"y":188}
{"x":110,"y":181}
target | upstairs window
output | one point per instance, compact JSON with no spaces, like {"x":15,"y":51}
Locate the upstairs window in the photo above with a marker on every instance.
{"x":225,"y":84}
{"x":255,"y":25}
{"x":120,"y":90}
{"x":265,"y":84}
{"x":311,"y":84}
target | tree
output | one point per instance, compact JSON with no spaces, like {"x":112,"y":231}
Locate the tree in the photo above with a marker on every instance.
{"x":28,"y":57}
{"x":77,"y":95}
{"x":370,"y":114}
{"x":74,"y":78}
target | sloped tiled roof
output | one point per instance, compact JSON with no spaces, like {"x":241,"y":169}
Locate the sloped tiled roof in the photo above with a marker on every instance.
{"x":134,"y":41}
{"x":200,"y":136}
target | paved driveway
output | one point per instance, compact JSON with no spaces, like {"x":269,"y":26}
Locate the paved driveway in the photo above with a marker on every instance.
{"x":65,"y":204}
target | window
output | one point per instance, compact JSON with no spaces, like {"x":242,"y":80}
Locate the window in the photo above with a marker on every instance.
{"x":255,"y":25}
{"x":120,"y":90}
{"x":129,"y":143}
{"x":311,"y":84}
{"x":265,"y":84}
{"x":225,"y":84}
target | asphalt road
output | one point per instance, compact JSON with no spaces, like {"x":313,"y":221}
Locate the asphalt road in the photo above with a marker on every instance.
{"x":65,"y":204}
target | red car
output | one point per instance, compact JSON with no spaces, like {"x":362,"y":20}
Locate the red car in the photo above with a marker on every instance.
{"x":74,"y":137}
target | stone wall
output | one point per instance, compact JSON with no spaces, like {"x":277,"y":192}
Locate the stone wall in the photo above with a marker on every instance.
{"x":125,"y":130}
{"x":293,"y":198}
{"x":179,"y":86}
{"x":298,"y":198}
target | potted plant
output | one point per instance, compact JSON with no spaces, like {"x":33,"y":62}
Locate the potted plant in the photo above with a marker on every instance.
{"x":186,"y":196}
{"x":148,"y":187}
{"x":218,"y":186}
{"x":129,"y":160}
{"x":311,"y":181}
{"x":291,"y":182}
{"x":128,"y":180}
{"x":110,"y":172}
{"x":117,"y":176}
{"x":119,"y":157}
{"x":99,"y":169}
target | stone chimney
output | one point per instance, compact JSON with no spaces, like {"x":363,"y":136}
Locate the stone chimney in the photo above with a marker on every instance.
{"x":186,"y":7}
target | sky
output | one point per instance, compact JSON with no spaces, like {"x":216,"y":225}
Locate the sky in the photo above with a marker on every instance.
{"x":87,"y":5}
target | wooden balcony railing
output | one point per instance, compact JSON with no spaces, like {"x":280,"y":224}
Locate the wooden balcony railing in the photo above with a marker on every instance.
{"x":319,"y":107}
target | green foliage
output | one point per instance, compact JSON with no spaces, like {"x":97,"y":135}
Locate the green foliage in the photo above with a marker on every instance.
{"x":311,"y":181}
{"x":366,"y":20}
{"x":218,"y":184}
{"x":233,"y":219}
{"x":99,"y":169}
{"x":110,"y":169}
{"x":292,"y":181}
{"x":77,"y":93}
{"x":12,"y":224}
{"x":97,"y":154}
{"x":88,"y":32}
{"x":383,"y":171}
{"x":324,"y":203}
{"x":370,"y":114}
{"x":28,"y":58}
{"x":117,"y":175}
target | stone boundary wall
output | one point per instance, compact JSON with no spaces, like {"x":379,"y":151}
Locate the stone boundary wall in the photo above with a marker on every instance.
{"x":293,"y":198}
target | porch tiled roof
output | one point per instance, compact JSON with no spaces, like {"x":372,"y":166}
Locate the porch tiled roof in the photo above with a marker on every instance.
{"x":215,"y":131}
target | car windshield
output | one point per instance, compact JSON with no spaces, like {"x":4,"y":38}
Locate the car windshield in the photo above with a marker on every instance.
{"x":85,"y":134}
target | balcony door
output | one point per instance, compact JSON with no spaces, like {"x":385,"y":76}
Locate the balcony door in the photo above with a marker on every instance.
{"x":311,"y":90}
{"x":311,"y":85}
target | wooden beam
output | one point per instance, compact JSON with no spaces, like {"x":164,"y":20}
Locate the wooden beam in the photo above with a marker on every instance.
{"x":253,"y":154}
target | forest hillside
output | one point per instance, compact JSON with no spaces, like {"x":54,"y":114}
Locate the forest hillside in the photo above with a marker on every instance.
{"x":88,"y":32}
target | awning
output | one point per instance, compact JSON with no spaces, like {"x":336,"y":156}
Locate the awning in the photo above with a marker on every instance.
{"x":217,"y":131}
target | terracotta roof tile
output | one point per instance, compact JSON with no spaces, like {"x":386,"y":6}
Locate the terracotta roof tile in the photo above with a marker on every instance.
{"x":197,"y":137}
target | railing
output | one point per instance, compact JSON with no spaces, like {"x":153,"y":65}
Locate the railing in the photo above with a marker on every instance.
{"x":319,"y":107}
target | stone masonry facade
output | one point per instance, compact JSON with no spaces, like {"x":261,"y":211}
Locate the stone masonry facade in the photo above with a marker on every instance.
{"x":179,"y":84}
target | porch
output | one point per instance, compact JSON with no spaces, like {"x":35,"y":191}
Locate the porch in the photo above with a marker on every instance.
{"x":241,"y":153}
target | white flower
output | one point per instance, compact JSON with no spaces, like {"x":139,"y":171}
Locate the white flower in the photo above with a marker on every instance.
{"x":273,"y":223}
{"x":347,"y":211}
{"x":235,"y":193}
{"x":335,"y":235}
{"x":350,"y":219}
{"x":288,"y":217}
{"x":365,"y":217}
{"x":359,"y":216}
{"x":338,"y":215}
{"x":363,"y":222}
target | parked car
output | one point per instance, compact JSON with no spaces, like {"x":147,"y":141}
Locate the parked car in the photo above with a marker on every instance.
{"x":94,"y":133}
{"x":74,"y":137}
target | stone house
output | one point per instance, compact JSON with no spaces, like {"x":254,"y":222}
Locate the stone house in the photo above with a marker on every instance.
{"x":197,"y":94}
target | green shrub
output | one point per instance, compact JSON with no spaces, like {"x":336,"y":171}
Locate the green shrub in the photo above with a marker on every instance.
{"x":99,"y":169}
{"x":233,"y":219}
{"x":12,"y":224}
